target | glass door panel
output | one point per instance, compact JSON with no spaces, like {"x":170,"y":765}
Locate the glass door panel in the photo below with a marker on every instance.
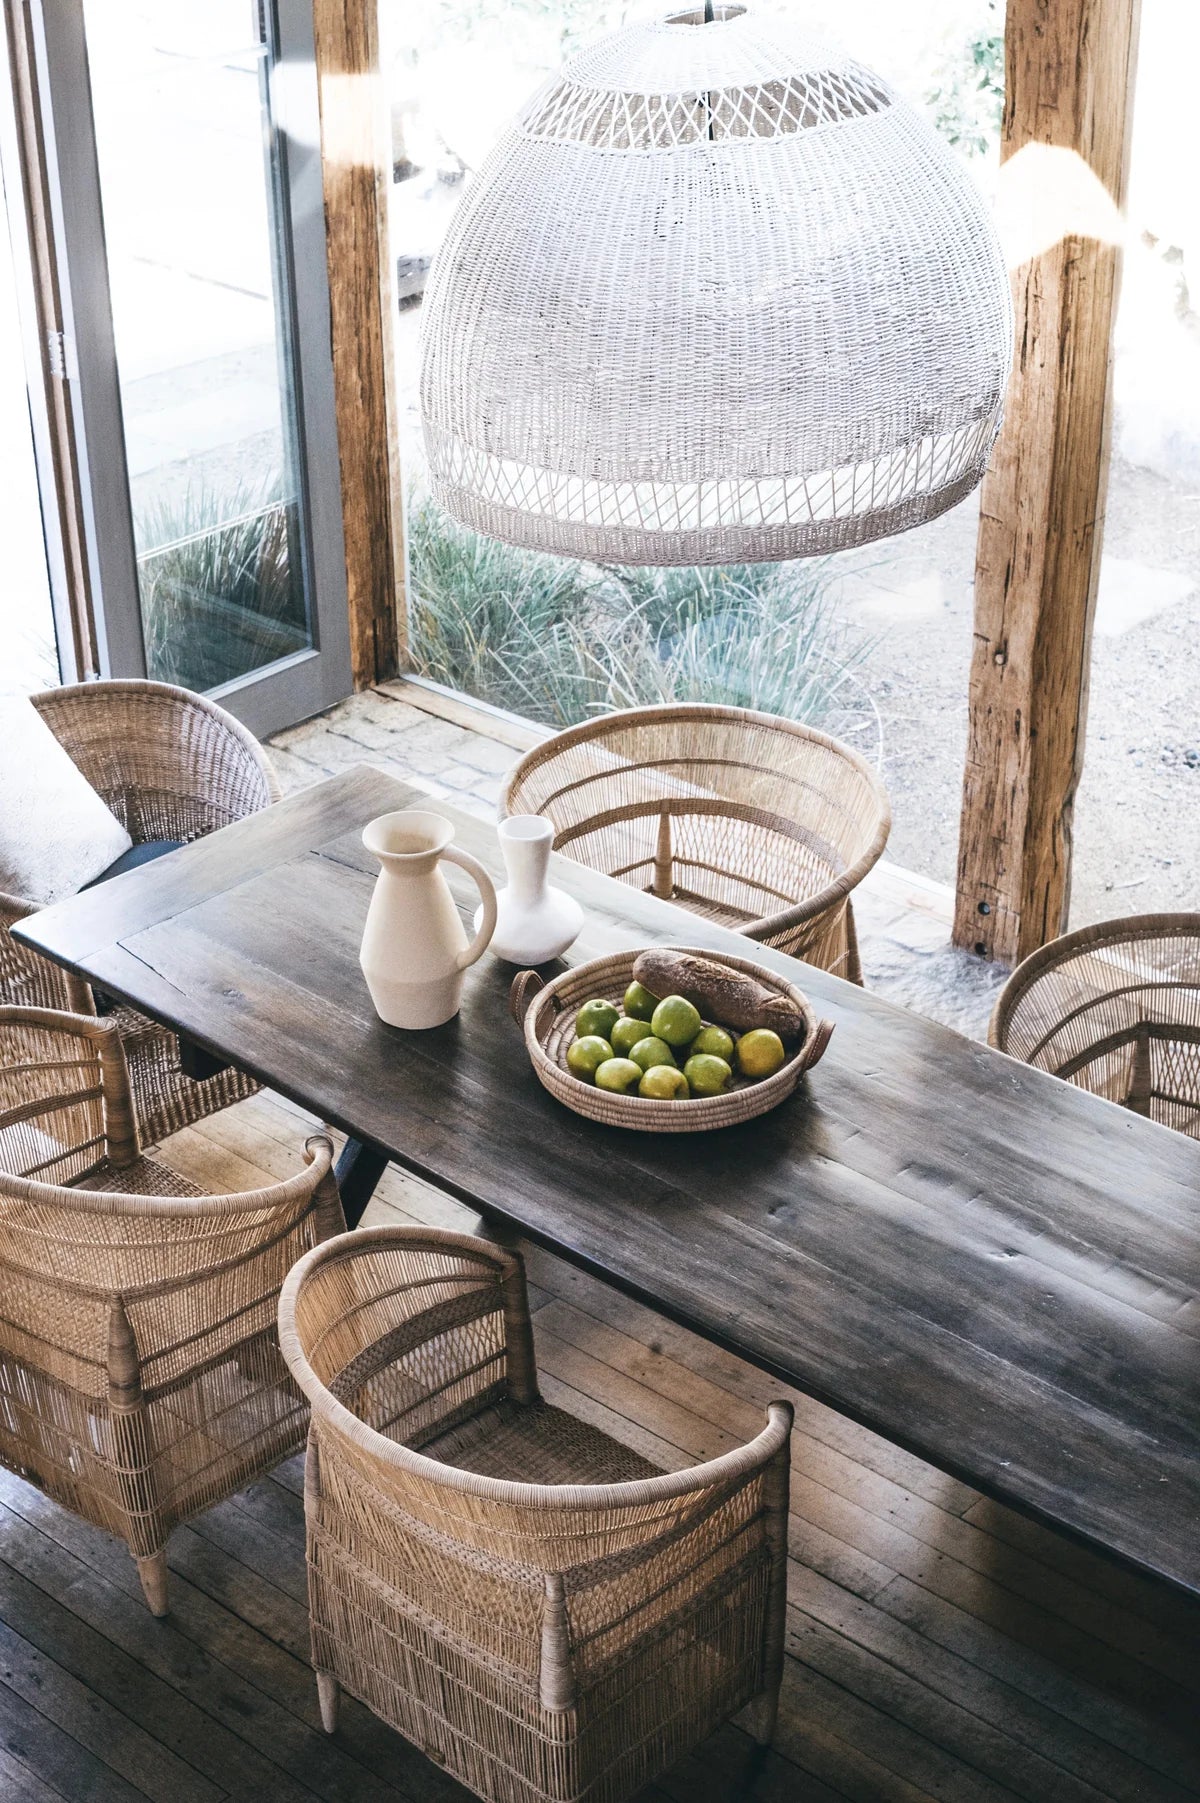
{"x":198,"y":255}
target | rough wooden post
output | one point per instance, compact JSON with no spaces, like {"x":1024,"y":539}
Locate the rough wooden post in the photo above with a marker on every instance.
{"x":357,"y":165}
{"x":131,"y":1458}
{"x":1069,"y":69}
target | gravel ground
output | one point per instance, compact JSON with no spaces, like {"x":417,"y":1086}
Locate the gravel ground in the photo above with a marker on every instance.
{"x":1137,"y":821}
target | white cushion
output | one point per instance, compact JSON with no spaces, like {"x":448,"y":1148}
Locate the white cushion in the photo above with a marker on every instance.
{"x":55,"y":832}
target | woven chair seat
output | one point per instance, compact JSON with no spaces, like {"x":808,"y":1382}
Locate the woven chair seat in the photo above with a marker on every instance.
{"x":145,"y":1177}
{"x":756,"y":823}
{"x":170,"y":765}
{"x":1115,"y":1009}
{"x":538,"y":1444}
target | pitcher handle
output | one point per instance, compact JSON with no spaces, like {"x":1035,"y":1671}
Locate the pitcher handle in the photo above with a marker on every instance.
{"x":454,"y":854}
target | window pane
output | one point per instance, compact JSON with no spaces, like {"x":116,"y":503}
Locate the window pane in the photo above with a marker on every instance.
{"x":1137,"y":816}
{"x":28,"y":652}
{"x":198,"y":270}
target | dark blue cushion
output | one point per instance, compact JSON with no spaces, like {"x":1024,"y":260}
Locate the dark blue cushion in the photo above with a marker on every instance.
{"x":135,"y":857}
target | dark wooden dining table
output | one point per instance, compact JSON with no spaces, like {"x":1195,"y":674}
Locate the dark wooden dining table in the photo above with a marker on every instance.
{"x":993,"y":1269}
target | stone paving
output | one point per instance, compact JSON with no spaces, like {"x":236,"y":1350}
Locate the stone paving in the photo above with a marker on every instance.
{"x":903,"y":920}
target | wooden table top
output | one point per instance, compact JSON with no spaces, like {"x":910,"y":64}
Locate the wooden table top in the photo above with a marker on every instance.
{"x":985,"y":1265}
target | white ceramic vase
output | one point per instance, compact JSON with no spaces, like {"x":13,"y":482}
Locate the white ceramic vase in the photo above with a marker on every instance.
{"x":534,"y":921}
{"x":414,"y":949}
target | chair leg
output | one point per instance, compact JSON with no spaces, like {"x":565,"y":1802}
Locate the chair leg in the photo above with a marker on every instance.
{"x":153,"y":1573}
{"x":328,"y":1695}
{"x":764,"y":1714}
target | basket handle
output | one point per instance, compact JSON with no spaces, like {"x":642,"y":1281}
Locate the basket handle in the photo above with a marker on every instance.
{"x":814,"y":1051}
{"x":525,"y":986}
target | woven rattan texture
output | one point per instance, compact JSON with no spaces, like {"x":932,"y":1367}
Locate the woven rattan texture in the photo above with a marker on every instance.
{"x":513,"y":1441}
{"x":526,"y":1599}
{"x":140,"y":1373}
{"x":547,"y":1013}
{"x":170,"y":765}
{"x":144,"y":1177}
{"x":769,"y":824}
{"x":719,"y":294}
{"x":1115,"y":1009}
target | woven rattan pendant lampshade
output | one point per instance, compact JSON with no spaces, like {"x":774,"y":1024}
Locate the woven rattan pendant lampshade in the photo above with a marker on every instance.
{"x":718,"y":295}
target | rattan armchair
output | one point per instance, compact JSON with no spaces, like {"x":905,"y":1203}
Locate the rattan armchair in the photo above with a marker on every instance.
{"x":140,"y":1373}
{"x":1115,"y":1009}
{"x":756,"y":822}
{"x":545,"y":1613}
{"x":171,"y":766}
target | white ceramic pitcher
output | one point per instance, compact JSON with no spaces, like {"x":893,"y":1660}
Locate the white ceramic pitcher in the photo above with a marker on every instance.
{"x":414,"y":948}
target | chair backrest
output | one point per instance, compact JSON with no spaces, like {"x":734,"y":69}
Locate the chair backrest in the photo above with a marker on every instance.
{"x":1115,"y":1009}
{"x":394,"y":1334}
{"x":762,"y":811}
{"x":192,"y":1275}
{"x":65,"y":1106}
{"x":67,"y":1254}
{"x":170,"y":764}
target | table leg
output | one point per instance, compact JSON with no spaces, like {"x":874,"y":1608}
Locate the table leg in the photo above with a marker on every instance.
{"x":358,"y":1170}
{"x":195,"y":1062}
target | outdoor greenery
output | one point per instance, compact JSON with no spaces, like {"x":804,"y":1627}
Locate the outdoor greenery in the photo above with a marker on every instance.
{"x":558,"y":640}
{"x":966,"y":96}
{"x":220,"y":587}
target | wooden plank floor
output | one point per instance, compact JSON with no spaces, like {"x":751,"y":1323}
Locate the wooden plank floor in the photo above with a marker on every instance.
{"x":940,"y":1647}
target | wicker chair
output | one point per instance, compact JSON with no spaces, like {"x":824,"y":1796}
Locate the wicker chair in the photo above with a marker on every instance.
{"x":140,"y":1374}
{"x":753,"y":821}
{"x":170,"y":765}
{"x":1115,"y":1009}
{"x":540,"y":1609}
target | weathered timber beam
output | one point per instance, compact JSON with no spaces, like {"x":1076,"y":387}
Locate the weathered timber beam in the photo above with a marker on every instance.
{"x":356,"y":161}
{"x":1064,"y":152}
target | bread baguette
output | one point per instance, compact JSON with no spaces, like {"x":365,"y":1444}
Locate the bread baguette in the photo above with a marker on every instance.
{"x":721,"y":994}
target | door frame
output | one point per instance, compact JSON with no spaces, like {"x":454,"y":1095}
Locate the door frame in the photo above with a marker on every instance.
{"x":311,"y":679}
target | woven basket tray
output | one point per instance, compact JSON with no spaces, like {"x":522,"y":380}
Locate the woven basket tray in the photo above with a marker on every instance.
{"x":546,"y":1012}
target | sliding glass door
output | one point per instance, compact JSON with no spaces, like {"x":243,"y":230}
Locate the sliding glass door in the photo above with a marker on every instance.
{"x":191,"y":229}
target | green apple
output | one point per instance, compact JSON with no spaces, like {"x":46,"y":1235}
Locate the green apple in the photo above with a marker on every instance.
{"x":586,"y":1055}
{"x":706,"y":1074}
{"x":664,"y":1083}
{"x":619,"y":1075}
{"x":598,"y":1017}
{"x":639,"y":1002}
{"x":627,"y":1033}
{"x":675,"y":1020}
